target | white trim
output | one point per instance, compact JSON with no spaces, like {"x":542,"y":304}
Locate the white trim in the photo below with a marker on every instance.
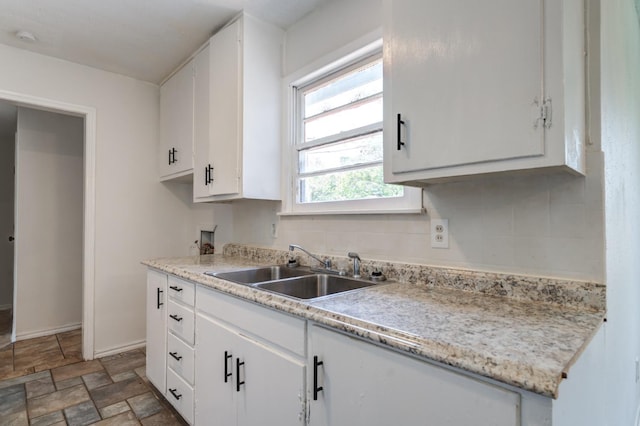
{"x":48,"y":332}
{"x":89,"y":225}
{"x":343,"y":212}
{"x":365,"y":46}
{"x":119,"y":349}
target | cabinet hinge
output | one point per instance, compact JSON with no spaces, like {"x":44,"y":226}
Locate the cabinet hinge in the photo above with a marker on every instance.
{"x":545,"y":113}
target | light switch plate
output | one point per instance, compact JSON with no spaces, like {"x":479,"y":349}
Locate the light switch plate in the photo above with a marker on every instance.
{"x":440,"y":233}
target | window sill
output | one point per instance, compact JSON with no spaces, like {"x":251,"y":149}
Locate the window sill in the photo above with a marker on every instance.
{"x":352,"y":212}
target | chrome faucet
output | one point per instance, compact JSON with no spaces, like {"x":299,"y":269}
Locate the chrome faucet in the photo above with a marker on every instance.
{"x":326,"y":262}
{"x":356,"y":263}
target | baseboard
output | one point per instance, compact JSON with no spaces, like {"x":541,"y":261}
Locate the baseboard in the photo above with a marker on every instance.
{"x":48,"y":332}
{"x":119,"y":349}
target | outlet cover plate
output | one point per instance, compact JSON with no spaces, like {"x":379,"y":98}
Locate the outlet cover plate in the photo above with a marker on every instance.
{"x":440,"y":233}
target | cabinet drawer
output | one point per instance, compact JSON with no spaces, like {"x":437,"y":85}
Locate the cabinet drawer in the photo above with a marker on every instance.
{"x":180,"y":395}
{"x":180,"y":358}
{"x":181,"y":321}
{"x":264,"y":323}
{"x":182,"y":290}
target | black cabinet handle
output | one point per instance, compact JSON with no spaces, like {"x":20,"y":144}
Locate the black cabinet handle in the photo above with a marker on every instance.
{"x":208,"y":175}
{"x":400,"y":124}
{"x":175,"y":317}
{"x":175,"y":356}
{"x":159,"y":303}
{"x":175,"y":395}
{"x":316,"y":388}
{"x":172,"y":156}
{"x":238,"y":382}
{"x":175,"y":288}
{"x":227,"y":357}
{"x":11,"y":238}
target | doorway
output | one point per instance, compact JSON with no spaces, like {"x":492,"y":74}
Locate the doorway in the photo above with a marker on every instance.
{"x":88,"y":220}
{"x":8,"y":120}
{"x":48,"y":223}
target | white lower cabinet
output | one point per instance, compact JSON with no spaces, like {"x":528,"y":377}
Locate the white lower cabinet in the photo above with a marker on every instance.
{"x":221,"y":360}
{"x":156,"y":368}
{"x":180,"y":394}
{"x":242,"y":379}
{"x":181,"y":358}
{"x":352,"y":382}
{"x":180,"y":351}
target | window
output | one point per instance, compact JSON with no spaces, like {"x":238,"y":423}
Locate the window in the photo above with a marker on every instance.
{"x":336,"y":151}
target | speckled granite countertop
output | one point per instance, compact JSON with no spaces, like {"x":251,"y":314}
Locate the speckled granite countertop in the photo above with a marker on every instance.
{"x":530,"y":345}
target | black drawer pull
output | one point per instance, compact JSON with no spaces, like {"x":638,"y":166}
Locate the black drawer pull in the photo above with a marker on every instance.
{"x":176,"y":318}
{"x":175,"y":356}
{"x":316,"y":388}
{"x":175,"y":395}
{"x":238,"y":382}
{"x":175,"y":288}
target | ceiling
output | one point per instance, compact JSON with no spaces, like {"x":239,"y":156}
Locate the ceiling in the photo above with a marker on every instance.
{"x":144,"y":39}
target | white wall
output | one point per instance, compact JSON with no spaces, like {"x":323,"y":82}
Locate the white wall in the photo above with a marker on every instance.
{"x":136,"y":216}
{"x":543,"y":225}
{"x":328,"y":28}
{"x":620,"y":93}
{"x":49,"y":199}
{"x":7,"y":155}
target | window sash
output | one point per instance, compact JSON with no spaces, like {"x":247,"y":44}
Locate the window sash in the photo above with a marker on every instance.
{"x":335,"y":138}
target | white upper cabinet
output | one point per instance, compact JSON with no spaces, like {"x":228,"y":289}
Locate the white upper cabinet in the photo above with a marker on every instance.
{"x":176,"y":125}
{"x":482,"y":87}
{"x":237,"y":128}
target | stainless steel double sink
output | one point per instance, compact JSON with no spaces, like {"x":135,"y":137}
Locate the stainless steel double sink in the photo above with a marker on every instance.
{"x":300,"y":283}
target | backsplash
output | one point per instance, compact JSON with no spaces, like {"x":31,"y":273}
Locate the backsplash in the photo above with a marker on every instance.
{"x":567,"y":293}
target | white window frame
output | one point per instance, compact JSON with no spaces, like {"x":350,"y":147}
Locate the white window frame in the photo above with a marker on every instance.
{"x":410,"y":202}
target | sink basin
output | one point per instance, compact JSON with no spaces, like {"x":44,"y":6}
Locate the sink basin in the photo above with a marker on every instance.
{"x":313,"y":286}
{"x":259,"y":275}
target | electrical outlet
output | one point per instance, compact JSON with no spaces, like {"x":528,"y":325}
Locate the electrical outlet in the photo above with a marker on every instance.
{"x":440,"y":233}
{"x":274,"y":230}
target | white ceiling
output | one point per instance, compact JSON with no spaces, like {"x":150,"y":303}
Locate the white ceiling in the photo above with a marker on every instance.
{"x":144,"y":39}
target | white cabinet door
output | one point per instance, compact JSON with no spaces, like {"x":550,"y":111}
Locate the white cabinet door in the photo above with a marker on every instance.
{"x":465,"y":84}
{"x":367,"y":385}
{"x":273,"y":392}
{"x":242,"y":382}
{"x":225,"y":110}
{"x":215,"y":388}
{"x":176,"y":124}
{"x":236,"y":121}
{"x":156,"y":328}
{"x":201,"y":125}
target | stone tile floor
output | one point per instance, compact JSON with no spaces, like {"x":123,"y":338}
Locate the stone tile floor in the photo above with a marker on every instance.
{"x":44,"y":381}
{"x":6,"y":319}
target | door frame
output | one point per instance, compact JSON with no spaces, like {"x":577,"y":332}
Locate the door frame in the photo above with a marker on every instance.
{"x":89,"y":198}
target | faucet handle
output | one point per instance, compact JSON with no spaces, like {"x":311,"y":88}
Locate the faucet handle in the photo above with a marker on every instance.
{"x":356,"y":263}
